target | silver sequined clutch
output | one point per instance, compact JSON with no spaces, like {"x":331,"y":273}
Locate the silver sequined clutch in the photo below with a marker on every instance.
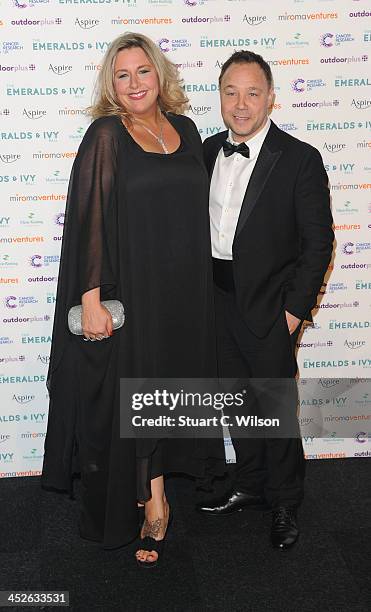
{"x":114,"y":307}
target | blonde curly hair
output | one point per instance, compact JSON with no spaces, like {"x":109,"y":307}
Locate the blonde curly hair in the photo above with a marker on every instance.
{"x":171,"y":95}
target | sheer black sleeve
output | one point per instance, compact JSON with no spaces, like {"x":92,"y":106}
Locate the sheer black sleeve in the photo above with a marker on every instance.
{"x":90,"y":210}
{"x":90,"y":237}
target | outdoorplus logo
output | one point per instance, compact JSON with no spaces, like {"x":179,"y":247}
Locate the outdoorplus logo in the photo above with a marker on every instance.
{"x":18,"y":68}
{"x":214,"y":19}
{"x":36,"y":22}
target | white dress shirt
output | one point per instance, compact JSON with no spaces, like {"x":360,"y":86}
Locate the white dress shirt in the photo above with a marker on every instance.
{"x":229,"y":181}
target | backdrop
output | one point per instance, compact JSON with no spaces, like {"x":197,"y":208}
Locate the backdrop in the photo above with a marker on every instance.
{"x":50,"y":53}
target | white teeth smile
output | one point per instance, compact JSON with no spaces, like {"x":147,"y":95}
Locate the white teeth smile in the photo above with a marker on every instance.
{"x":138,"y":95}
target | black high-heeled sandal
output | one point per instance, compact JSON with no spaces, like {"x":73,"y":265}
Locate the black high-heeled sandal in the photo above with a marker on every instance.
{"x":150,"y":544}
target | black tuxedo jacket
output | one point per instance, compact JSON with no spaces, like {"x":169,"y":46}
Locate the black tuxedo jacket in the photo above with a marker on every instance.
{"x":283,"y":240}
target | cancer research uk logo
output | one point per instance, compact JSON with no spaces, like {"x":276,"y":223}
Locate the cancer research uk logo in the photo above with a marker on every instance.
{"x":349,"y":248}
{"x":193,"y":3}
{"x":11,"y":301}
{"x":329,"y":40}
{"x":166,"y":44}
{"x":59,"y":219}
{"x":362,"y":437}
{"x":38,"y":261}
{"x":300,"y":85}
{"x":21,"y":4}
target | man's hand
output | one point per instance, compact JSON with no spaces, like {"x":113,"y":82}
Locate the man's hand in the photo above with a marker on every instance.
{"x":292,"y":321}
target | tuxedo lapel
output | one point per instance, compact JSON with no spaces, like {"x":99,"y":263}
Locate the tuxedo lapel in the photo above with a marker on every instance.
{"x":265,"y":163}
{"x":212,"y":152}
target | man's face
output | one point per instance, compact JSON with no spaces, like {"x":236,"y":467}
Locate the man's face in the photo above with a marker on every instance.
{"x":246,"y":100}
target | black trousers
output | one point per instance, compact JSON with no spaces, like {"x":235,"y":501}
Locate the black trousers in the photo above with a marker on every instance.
{"x":273,"y":466}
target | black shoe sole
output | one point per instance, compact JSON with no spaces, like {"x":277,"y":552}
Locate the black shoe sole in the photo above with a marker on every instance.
{"x":255,"y":508}
{"x":289,"y":547}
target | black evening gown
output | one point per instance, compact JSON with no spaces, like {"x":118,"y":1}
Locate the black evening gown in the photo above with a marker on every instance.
{"x":137,"y":226}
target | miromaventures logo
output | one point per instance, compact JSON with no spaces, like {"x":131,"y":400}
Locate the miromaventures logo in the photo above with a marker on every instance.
{"x":26,"y":435}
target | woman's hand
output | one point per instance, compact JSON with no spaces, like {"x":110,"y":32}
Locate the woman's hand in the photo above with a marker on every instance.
{"x":96,"y":320}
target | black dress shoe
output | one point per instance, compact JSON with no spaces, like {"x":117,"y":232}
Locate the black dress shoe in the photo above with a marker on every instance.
{"x":234,"y":501}
{"x":284,"y":532}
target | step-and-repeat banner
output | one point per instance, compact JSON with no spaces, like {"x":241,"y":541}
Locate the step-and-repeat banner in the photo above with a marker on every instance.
{"x":50,"y":53}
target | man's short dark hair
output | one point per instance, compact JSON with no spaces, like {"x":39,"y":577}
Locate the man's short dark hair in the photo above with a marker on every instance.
{"x":248,"y":57}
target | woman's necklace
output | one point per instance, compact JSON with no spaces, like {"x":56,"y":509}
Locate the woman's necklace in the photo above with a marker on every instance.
{"x":160,"y":137}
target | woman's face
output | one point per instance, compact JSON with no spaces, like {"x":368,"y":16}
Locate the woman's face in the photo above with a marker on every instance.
{"x":136,"y":82}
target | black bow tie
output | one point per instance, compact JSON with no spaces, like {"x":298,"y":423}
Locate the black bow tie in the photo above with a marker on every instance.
{"x":230,"y":148}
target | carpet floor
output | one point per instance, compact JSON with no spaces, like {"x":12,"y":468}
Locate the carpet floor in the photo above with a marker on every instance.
{"x":209,"y":564}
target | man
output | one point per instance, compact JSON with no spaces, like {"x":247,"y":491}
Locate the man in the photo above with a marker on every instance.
{"x":271,"y":233}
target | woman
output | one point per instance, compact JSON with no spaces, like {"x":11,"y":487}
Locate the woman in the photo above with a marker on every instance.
{"x":136,"y":230}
